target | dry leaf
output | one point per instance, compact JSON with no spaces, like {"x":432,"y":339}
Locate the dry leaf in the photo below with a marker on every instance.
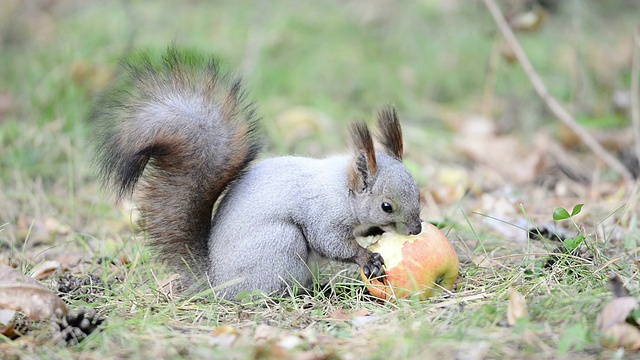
{"x":265,"y":333}
{"x":340,"y":314}
{"x":343,"y":314}
{"x":31,"y":230}
{"x":615,"y":312}
{"x":508,"y":156}
{"x":621,"y":335}
{"x":224,"y":336}
{"x":289,"y":342}
{"x":53,"y":226}
{"x":19,"y":292}
{"x":450,"y":184}
{"x":612,"y":320}
{"x":6,"y":322}
{"x":516,"y":308}
{"x":44,"y":269}
{"x":310,"y":335}
{"x":68,"y":259}
{"x":360,"y":321}
{"x":473,"y":125}
{"x":511,"y":223}
{"x":6,"y":316}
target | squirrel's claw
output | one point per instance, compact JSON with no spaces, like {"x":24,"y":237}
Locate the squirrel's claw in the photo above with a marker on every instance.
{"x":374,"y":268}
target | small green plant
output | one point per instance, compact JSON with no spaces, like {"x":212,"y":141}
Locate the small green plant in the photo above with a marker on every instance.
{"x":560,"y":214}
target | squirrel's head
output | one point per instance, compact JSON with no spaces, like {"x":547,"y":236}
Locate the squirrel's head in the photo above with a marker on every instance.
{"x":385,"y":194}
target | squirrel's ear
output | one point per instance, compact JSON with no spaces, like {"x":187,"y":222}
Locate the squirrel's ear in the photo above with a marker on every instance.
{"x":390,"y":132}
{"x":364,"y":167}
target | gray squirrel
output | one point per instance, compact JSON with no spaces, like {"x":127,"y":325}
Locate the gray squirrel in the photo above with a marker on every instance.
{"x":178,"y":133}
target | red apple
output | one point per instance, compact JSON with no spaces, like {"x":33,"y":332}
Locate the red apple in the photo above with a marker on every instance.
{"x":418,"y":265}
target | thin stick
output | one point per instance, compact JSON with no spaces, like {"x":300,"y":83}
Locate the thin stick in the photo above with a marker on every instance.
{"x":635,"y":113}
{"x":549,"y":100}
{"x":635,"y":92}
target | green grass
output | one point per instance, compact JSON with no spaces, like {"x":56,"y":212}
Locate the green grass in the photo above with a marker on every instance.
{"x":337,"y":61}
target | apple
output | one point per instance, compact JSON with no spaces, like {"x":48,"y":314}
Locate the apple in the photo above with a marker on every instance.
{"x":418,"y":265}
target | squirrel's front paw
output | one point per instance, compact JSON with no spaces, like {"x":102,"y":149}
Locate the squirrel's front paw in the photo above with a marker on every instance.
{"x":374,"y":267}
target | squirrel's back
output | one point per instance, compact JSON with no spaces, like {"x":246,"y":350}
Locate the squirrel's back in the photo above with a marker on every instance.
{"x":182,"y":130}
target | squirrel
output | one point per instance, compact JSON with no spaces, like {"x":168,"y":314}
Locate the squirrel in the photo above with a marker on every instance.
{"x":179,"y":134}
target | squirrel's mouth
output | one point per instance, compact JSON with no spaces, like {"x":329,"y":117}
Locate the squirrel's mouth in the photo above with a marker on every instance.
{"x":373,"y":231}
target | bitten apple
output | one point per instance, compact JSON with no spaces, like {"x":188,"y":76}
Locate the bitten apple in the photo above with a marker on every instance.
{"x":419,"y":265}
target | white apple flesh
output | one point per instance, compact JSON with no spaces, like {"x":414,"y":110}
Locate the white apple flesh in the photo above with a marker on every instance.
{"x":416,"y":265}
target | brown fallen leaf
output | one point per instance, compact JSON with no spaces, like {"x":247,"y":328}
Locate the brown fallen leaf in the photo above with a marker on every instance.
{"x":507,"y":155}
{"x":224,"y":336}
{"x":6,"y":322}
{"x":265,"y":333}
{"x":614,"y":322}
{"x":22,"y":293}
{"x":516,"y":308}
{"x":45,"y":269}
{"x":290,"y":341}
{"x":621,"y":335}
{"x":54,"y":226}
{"x":616,"y":311}
{"x":343,"y":314}
{"x":450,"y":184}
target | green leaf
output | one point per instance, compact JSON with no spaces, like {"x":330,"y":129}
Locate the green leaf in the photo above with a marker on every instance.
{"x":576,"y":210}
{"x":572,"y":243}
{"x":568,"y":244}
{"x":578,"y":240}
{"x":561,"y":214}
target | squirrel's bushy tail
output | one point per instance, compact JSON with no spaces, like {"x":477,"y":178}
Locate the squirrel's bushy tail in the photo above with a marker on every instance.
{"x":182,"y":131}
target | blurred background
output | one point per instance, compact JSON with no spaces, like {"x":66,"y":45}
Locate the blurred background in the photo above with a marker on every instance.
{"x":491,"y":160}
{"x":473,"y":123}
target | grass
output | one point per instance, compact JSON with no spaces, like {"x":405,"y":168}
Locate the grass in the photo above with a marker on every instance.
{"x":331,"y":62}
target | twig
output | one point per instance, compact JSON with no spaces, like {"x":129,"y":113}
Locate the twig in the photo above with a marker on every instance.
{"x":635,"y":92}
{"x":549,"y":100}
{"x":635,"y":113}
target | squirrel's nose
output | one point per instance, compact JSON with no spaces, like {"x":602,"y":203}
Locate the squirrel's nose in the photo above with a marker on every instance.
{"x":416,"y":229}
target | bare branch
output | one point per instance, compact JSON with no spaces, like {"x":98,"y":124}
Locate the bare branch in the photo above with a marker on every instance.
{"x":549,"y":100}
{"x":635,"y":92}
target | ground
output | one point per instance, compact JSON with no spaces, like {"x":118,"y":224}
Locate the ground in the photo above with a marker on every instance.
{"x":492,"y":162}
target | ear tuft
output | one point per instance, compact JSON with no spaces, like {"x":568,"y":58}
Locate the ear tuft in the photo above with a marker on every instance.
{"x":364,"y":167}
{"x":390,"y":135}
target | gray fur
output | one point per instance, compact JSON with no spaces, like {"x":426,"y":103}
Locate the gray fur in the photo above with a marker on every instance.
{"x":189,"y":138}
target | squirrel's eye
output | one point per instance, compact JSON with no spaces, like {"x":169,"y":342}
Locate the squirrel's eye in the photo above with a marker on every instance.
{"x":386,"y":207}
